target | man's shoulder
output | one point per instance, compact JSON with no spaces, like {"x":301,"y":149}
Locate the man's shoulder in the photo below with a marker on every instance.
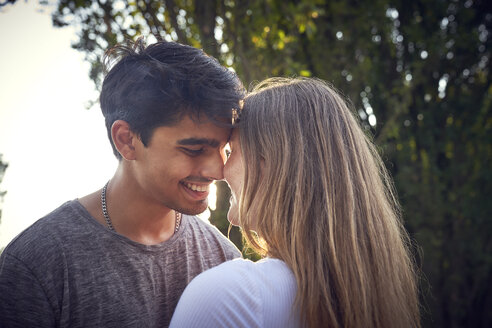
{"x":45,"y":234}
{"x":200,"y":226}
{"x":207,"y":235}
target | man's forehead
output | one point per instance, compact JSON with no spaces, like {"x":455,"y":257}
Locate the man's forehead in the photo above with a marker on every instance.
{"x":217,"y":120}
{"x":193,"y":131}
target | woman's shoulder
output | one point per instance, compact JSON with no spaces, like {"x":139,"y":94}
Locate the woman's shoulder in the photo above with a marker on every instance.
{"x":244,"y":270}
{"x":239,"y":293}
{"x":272,"y":264}
{"x":253,"y":282}
{"x":227,"y":273}
{"x":270,"y":269}
{"x":223,"y":296}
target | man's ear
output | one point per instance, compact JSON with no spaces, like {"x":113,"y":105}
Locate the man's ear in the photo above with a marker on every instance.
{"x":123,"y":137}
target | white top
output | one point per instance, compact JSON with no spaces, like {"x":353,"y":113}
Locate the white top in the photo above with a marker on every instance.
{"x":240,"y":293}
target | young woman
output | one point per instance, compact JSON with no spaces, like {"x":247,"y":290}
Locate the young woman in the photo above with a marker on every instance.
{"x":311,"y":193}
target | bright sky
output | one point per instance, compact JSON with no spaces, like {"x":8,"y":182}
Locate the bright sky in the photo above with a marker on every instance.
{"x":56,"y":149}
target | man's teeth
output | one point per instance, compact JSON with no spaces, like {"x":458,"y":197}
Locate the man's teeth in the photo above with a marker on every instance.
{"x":196,"y":187}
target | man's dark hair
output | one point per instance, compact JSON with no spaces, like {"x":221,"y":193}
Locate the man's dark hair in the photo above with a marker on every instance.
{"x":157,"y":85}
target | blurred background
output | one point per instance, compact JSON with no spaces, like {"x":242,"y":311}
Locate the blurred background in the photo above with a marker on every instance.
{"x":416,"y":72}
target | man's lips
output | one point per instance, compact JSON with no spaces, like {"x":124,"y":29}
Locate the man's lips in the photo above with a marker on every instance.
{"x":197,"y":192}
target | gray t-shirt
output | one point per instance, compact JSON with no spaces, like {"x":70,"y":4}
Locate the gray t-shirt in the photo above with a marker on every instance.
{"x":68,"y":270}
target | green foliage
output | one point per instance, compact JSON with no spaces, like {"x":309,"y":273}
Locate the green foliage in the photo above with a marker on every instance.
{"x":417,"y":73}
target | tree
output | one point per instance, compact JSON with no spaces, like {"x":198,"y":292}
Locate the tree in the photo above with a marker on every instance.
{"x":417,"y":73}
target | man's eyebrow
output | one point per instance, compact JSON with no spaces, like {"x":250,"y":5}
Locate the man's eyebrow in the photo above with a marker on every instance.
{"x":198,"y":141}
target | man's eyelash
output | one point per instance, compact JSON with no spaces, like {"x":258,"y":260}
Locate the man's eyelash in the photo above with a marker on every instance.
{"x":193,"y":151}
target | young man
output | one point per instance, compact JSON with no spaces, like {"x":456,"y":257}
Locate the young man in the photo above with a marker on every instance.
{"x":122,"y":256}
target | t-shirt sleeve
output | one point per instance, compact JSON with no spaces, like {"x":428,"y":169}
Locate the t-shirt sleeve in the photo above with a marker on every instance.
{"x":229,"y":249}
{"x":220,"y":297}
{"x":23,"y":302}
{"x":232,"y":252}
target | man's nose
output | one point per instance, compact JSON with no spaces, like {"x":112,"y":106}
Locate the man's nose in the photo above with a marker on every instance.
{"x":213,"y":166}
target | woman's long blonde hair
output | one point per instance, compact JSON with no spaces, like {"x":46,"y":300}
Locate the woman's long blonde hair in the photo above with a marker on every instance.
{"x":320,"y":198}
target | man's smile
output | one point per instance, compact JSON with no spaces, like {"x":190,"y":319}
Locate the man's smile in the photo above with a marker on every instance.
{"x":196,"y":187}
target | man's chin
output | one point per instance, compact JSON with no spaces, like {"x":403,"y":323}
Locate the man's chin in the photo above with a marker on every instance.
{"x":194,"y":210}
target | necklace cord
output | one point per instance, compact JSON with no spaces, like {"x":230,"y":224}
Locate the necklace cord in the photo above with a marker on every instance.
{"x":108,"y":219}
